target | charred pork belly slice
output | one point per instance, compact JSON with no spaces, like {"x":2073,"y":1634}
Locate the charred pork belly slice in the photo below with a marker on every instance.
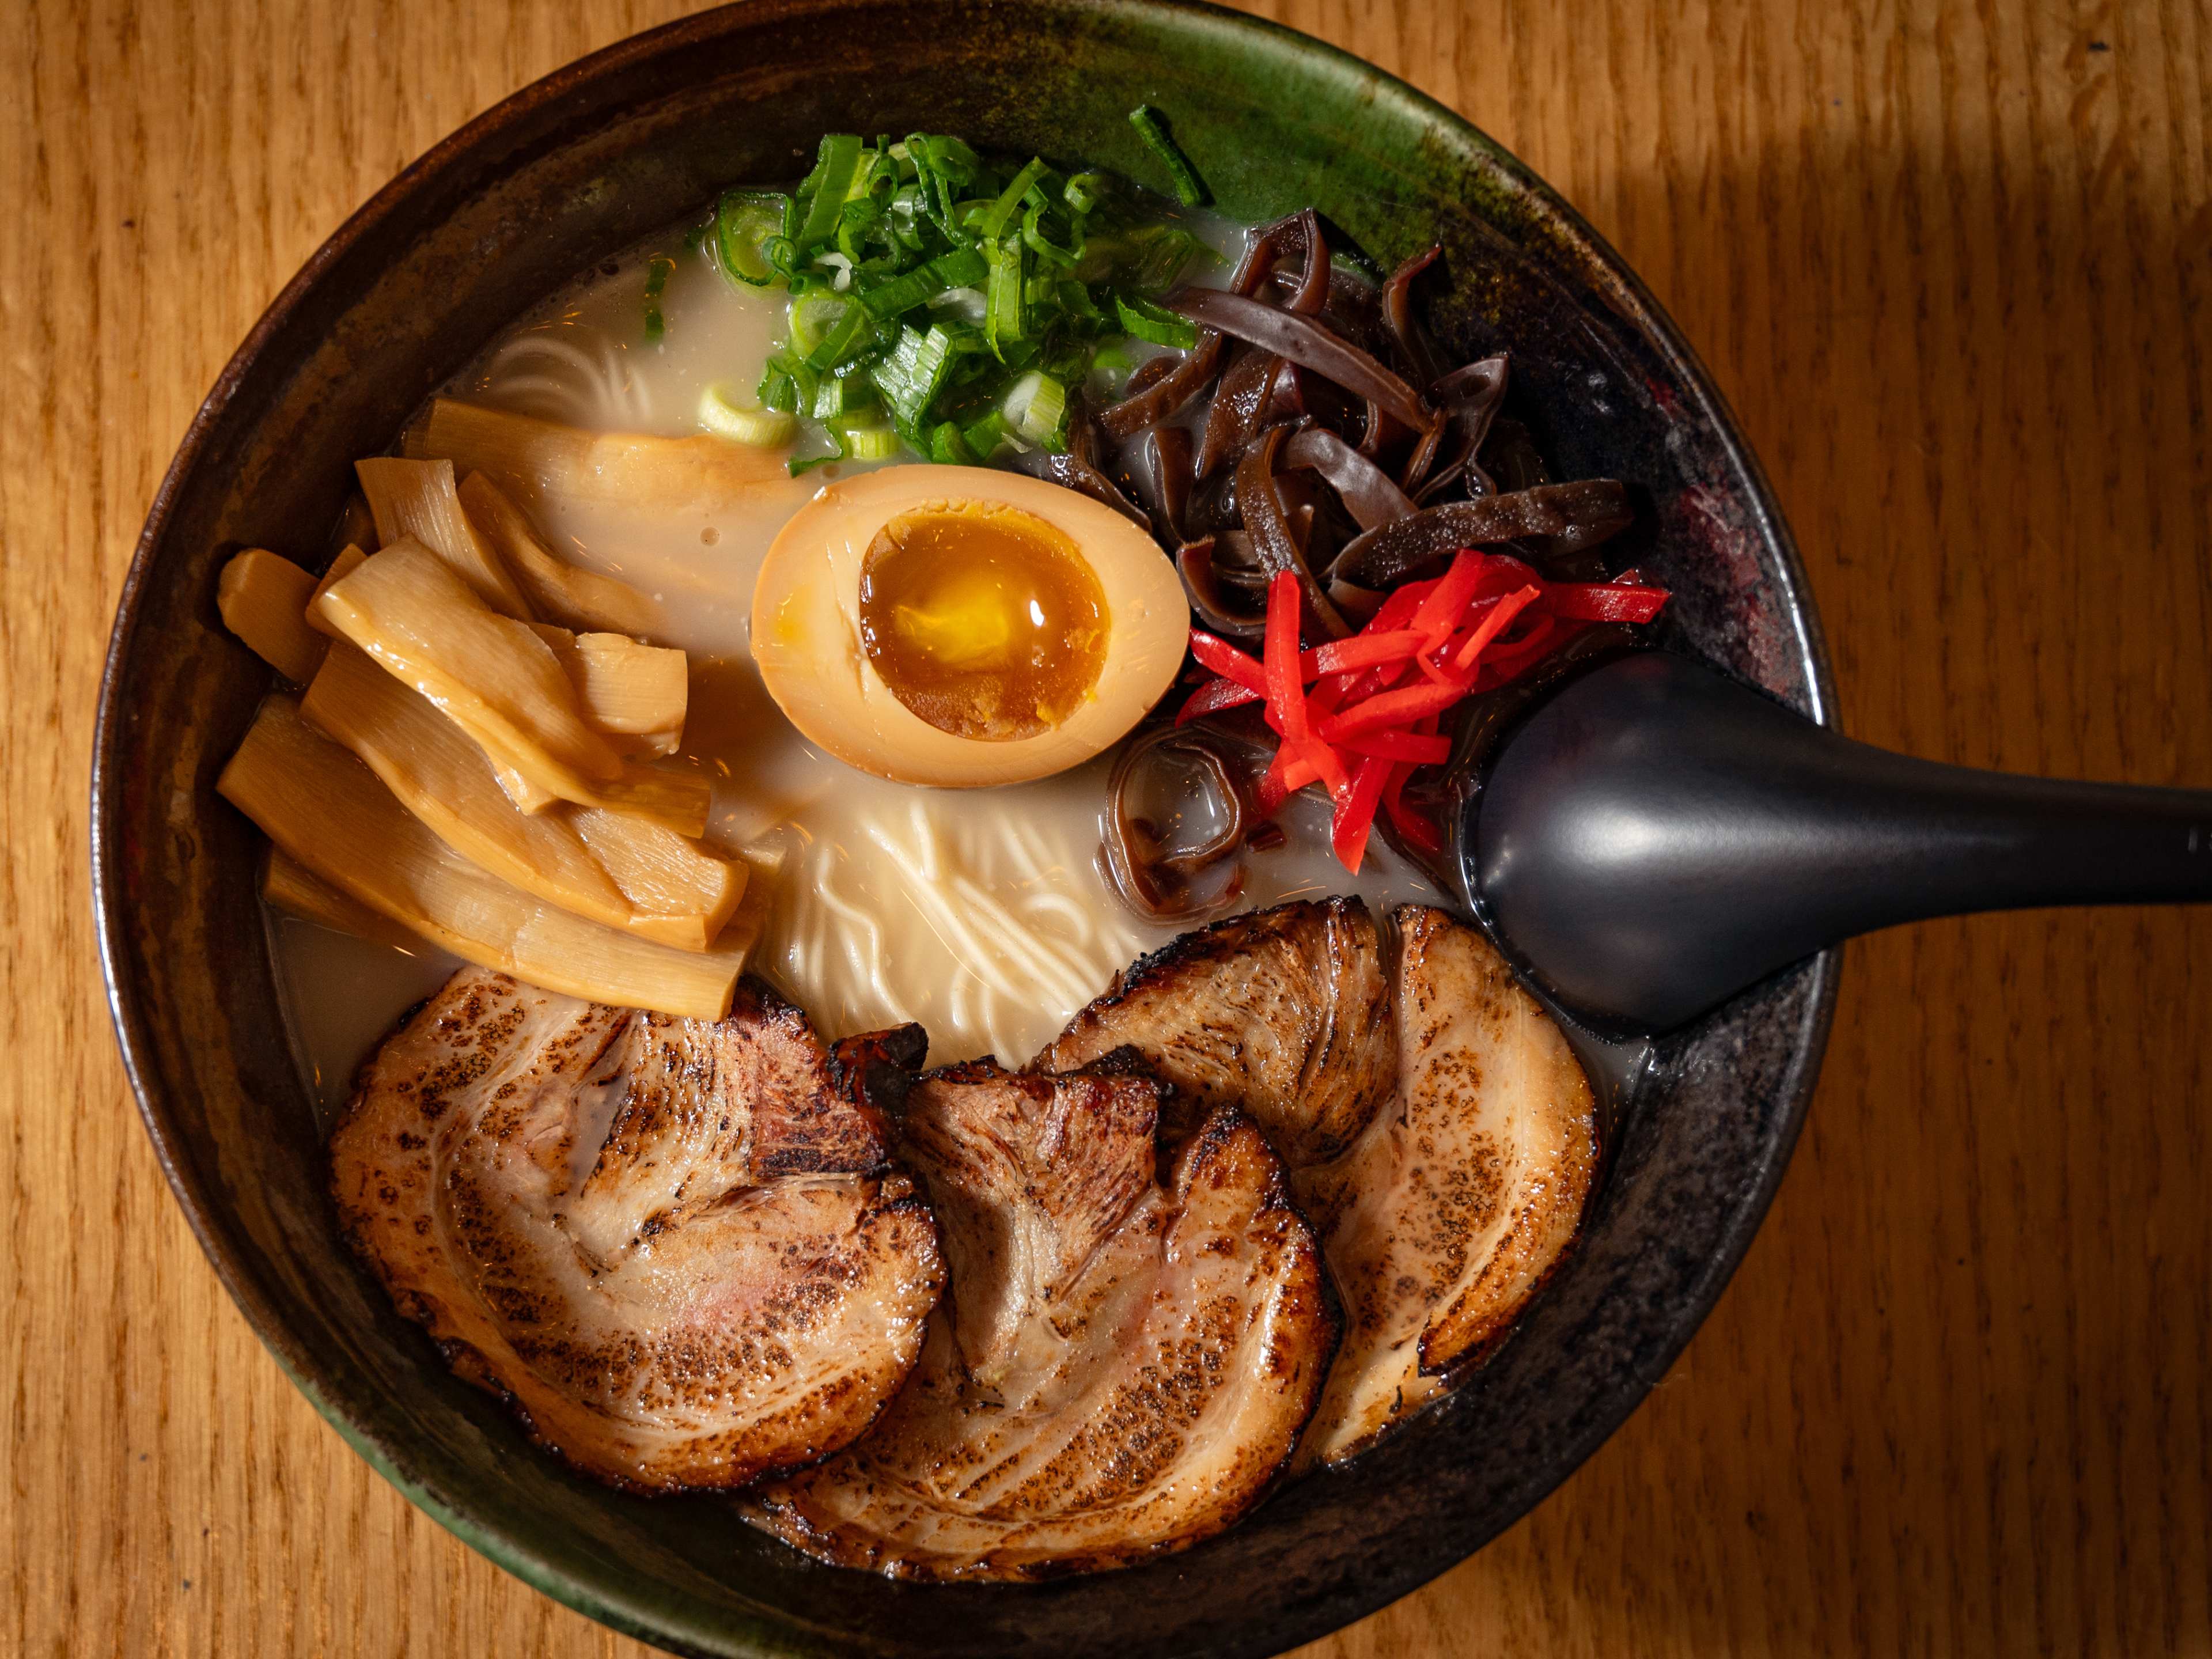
{"x":1125,"y":1360}
{"x":677,"y":1246}
{"x":1446,"y":1214}
{"x":1283,"y":1012}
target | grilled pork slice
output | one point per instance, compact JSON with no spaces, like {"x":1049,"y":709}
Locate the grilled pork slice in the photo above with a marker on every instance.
{"x":676,"y":1245}
{"x":1448,"y":1211}
{"x":1126,"y":1355}
{"x":1283,"y":1012}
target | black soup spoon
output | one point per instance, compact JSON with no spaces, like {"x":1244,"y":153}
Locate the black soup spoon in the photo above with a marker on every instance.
{"x":1655,"y":837}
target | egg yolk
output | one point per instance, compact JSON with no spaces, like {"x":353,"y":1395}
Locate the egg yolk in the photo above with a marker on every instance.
{"x":983,"y":620}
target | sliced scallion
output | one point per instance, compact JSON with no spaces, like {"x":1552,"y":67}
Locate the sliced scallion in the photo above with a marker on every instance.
{"x":1036,"y":406}
{"x":1156,"y":256}
{"x":1155,"y":324}
{"x":983,"y":434}
{"x":1025,"y":275}
{"x":911,"y":377}
{"x":1154,"y":133}
{"x":948,"y":446}
{"x":656,"y":272}
{"x":839,"y":159}
{"x":839,"y":397}
{"x":872,"y":443}
{"x":721,"y":414}
{"x":746,"y":223}
{"x":1065,"y":254}
{"x":991,"y":225}
{"x":1005,"y":317}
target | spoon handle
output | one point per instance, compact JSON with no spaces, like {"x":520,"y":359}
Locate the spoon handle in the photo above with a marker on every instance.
{"x":1900,"y":839}
{"x":1659,"y":836}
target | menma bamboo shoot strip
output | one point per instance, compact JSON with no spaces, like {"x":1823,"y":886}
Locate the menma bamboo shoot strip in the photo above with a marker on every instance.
{"x":328,"y":812}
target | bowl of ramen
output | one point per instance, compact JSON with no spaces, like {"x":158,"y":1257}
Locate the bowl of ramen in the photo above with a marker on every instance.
{"x":776,"y":823}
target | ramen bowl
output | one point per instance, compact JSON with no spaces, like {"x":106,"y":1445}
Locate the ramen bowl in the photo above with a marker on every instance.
{"x":579,"y":166}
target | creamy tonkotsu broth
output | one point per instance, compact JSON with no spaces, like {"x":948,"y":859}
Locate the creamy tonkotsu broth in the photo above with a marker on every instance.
{"x":983,"y":913}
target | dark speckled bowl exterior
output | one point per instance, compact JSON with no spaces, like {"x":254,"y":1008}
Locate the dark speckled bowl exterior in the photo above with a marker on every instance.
{"x":578,"y":166}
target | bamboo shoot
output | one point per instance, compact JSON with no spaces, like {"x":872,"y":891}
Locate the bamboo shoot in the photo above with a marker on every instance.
{"x":327,"y":811}
{"x":262,"y":597}
{"x":625,"y":689}
{"x":539,"y":461}
{"x":347,"y":559}
{"x":619,"y":872}
{"x":575,"y":597}
{"x":296,"y":891}
{"x":501,"y":684}
{"x":418,"y":499}
{"x":680,"y":893}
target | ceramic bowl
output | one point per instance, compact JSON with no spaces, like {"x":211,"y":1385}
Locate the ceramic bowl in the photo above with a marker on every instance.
{"x":580,"y":165}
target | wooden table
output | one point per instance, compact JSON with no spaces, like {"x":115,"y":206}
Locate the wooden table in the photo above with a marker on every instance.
{"x":1952,"y":263}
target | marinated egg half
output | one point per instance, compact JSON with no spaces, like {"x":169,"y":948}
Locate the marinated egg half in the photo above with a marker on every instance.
{"x":957,"y":626}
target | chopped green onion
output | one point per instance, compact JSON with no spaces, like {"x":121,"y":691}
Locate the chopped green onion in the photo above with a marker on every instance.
{"x":982,"y":436}
{"x":867,"y":174}
{"x":1079,"y":308}
{"x":1004,"y":318}
{"x":854,"y":221}
{"x":1154,"y":323}
{"x":657,"y":272}
{"x":814,"y":317}
{"x":872,"y":443}
{"x":1036,"y":407}
{"x":840,"y":396}
{"x":1044,"y":246}
{"x":953,"y":159}
{"x":763,"y":429}
{"x":840,"y":157}
{"x":1158,"y":255}
{"x":948,"y":447}
{"x":778,"y":390}
{"x":961,"y":268}
{"x":969,"y":304}
{"x":996,"y":217}
{"x":746,"y":223}
{"x":1026,"y":275}
{"x":911,"y":377}
{"x":831,"y":331}
{"x":787,"y":383}
{"x":1154,"y":133}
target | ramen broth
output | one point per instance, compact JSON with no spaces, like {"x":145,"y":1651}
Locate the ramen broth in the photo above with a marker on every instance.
{"x":983,"y":913}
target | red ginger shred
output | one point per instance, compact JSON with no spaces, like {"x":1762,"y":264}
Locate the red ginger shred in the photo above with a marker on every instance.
{"x":1362,"y":731}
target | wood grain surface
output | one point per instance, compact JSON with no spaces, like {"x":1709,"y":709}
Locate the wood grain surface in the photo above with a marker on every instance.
{"x":1951,"y":261}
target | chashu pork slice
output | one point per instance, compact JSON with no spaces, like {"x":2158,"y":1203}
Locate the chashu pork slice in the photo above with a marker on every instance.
{"x":677,"y":1246}
{"x":1126,"y":1357}
{"x":1283,"y":1013}
{"x":1451,"y":1207}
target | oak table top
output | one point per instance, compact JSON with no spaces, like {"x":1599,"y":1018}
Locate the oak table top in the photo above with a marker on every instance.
{"x":1951,"y":262}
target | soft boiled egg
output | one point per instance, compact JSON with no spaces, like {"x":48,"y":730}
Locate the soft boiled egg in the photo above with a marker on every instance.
{"x":959,"y":626}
